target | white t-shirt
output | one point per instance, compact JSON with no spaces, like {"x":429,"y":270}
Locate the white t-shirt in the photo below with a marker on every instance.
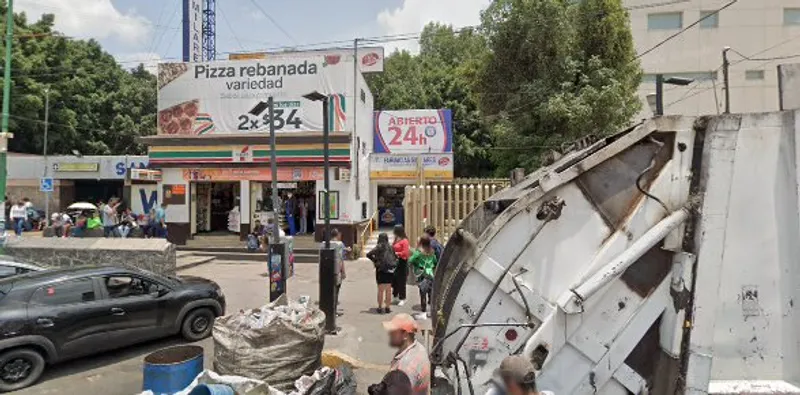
{"x":18,"y":211}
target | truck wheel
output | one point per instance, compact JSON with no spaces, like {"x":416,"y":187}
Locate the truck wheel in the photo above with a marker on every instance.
{"x":20,"y":368}
{"x":198,"y":324}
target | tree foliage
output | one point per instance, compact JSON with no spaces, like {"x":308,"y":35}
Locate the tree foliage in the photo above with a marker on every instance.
{"x":537,"y":73}
{"x":558,"y":70}
{"x":441,"y":76}
{"x":96,"y":107}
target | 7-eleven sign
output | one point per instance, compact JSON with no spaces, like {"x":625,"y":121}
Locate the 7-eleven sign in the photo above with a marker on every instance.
{"x":245,"y":154}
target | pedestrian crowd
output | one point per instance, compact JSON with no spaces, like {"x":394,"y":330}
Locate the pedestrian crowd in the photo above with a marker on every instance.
{"x":114,"y":221}
{"x":394,"y":260}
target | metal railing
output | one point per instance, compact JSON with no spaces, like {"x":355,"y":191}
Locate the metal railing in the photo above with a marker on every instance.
{"x":365,"y":234}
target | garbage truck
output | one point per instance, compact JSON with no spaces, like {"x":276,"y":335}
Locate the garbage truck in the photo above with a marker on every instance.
{"x":663,"y":260}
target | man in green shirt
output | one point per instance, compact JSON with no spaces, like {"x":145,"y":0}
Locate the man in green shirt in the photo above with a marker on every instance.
{"x":423,"y":261}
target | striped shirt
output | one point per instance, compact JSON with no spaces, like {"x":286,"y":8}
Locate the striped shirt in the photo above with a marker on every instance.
{"x":414,"y":362}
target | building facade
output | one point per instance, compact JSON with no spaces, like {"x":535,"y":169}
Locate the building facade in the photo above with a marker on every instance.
{"x":766,"y":31}
{"x":213,"y":144}
{"x":87,"y":178}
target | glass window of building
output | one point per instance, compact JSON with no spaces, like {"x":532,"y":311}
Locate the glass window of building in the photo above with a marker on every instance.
{"x":665,"y":21}
{"x":791,"y":16}
{"x":709,"y":19}
{"x":754,"y":75}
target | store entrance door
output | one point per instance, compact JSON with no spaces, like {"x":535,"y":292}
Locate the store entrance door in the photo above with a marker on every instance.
{"x":224,"y":201}
{"x":217,"y":207}
{"x":390,"y":205}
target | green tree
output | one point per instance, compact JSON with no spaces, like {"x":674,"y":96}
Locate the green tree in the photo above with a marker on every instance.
{"x":96,"y":107}
{"x":443,"y":75}
{"x":557,"y":70}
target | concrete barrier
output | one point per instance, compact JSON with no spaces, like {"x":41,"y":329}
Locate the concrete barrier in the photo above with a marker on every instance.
{"x":156,"y":255}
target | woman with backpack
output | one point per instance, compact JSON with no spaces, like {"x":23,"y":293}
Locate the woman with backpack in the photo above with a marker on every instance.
{"x":382,"y":256}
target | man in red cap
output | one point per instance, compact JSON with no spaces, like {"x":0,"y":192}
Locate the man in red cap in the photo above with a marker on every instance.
{"x":411,"y":357}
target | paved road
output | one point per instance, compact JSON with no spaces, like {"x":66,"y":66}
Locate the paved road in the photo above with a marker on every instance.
{"x":120,"y":372}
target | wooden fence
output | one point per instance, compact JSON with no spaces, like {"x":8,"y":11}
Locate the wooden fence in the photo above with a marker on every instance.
{"x":444,"y":206}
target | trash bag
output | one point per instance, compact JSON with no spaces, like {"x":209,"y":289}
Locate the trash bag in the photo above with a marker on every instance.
{"x":327,"y":381}
{"x":345,"y":383}
{"x":240,"y":385}
{"x":276,"y":344}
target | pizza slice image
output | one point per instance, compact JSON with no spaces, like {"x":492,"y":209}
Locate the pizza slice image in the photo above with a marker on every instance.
{"x":178,"y":119}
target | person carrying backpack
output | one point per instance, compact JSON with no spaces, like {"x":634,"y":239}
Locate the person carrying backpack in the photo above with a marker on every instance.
{"x":385,"y":261}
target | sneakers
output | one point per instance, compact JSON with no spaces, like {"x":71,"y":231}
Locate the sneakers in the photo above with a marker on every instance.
{"x":401,"y":303}
{"x":395,"y":301}
{"x":421,"y":316}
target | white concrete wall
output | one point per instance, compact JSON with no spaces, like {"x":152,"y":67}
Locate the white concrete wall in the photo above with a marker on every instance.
{"x":754,"y":28}
{"x":176,"y":213}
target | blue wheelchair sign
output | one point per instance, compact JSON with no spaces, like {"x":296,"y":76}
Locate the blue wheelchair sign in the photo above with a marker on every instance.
{"x":46,"y":184}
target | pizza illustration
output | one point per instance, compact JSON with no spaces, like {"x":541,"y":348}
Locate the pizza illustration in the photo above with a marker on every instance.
{"x":178,"y":119}
{"x":168,"y":72}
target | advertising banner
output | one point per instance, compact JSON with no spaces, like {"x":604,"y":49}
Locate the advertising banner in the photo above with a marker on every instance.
{"x":192,"y":30}
{"x":231,"y":96}
{"x":174,"y":194}
{"x":407,"y":167}
{"x":254,"y":174}
{"x":370,"y":59}
{"x":413,"y":131}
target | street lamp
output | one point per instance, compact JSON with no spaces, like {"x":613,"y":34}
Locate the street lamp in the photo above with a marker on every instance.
{"x":44,"y":154}
{"x":659,"y":96}
{"x":327,"y":259}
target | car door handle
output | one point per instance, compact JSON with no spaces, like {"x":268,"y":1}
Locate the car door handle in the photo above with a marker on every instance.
{"x":117,"y":311}
{"x":45,"y":322}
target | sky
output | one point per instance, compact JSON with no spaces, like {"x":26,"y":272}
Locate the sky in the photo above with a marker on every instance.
{"x":146,"y":31}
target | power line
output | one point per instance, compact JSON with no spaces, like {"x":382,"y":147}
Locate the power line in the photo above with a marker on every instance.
{"x":222,"y":14}
{"x":274,"y":22}
{"x":678,"y":33}
{"x":745,"y":57}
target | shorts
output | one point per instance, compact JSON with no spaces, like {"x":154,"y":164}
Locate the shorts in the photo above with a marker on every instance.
{"x":383,"y":277}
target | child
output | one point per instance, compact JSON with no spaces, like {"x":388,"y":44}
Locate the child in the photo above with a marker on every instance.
{"x":423,"y":262}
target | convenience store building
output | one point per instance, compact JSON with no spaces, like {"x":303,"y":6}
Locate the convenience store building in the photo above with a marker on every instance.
{"x":213,"y":151}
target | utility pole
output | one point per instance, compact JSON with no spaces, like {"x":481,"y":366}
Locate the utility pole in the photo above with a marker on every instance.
{"x":44,"y":154}
{"x":659,"y":94}
{"x":276,"y":257}
{"x":4,"y":135}
{"x":726,"y":81}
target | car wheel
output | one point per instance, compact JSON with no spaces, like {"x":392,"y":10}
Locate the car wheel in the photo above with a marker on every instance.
{"x":198,"y":324}
{"x":20,"y":368}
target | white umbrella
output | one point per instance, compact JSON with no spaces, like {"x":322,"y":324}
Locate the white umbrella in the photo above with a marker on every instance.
{"x":82,"y":206}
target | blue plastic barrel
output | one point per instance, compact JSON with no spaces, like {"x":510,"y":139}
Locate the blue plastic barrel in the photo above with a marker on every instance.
{"x":172,"y":369}
{"x":212,"y":389}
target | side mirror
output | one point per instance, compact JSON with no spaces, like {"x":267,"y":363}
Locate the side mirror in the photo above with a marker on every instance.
{"x":162,"y":292}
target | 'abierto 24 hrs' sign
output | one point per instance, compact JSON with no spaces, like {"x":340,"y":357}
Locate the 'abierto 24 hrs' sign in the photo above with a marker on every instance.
{"x":413,"y":132}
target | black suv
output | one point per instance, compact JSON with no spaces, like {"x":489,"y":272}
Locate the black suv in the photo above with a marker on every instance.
{"x":55,"y":315}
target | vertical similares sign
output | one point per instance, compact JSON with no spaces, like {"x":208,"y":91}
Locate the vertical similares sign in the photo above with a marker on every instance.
{"x":192,"y":30}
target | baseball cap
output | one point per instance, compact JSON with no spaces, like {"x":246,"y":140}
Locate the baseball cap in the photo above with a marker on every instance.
{"x":402,"y":322}
{"x":517,"y":369}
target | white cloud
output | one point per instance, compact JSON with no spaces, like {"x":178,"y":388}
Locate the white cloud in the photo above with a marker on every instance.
{"x":97,"y":19}
{"x":131,"y":60}
{"x":413,"y":15}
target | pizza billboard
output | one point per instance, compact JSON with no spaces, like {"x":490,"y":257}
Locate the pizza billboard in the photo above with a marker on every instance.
{"x":413,"y":132}
{"x":370,"y":59}
{"x":231,"y":96}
